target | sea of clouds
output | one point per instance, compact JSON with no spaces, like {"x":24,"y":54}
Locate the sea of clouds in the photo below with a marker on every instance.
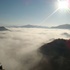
{"x":19,"y":46}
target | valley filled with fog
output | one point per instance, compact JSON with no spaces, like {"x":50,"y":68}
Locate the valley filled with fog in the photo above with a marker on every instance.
{"x":19,"y":46}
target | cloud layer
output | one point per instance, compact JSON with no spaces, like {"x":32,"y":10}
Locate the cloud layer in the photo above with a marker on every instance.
{"x":18,"y":47}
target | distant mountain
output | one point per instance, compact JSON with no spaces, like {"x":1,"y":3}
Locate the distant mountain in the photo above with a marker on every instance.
{"x":30,"y":26}
{"x":34,"y":26}
{"x":3,"y":28}
{"x":65,"y":26}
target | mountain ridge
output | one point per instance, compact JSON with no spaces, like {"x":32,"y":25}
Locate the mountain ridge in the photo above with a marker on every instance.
{"x":30,"y":26}
{"x":2,"y":28}
{"x":64,"y":26}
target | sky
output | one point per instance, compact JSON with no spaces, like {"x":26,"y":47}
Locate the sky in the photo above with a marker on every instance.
{"x":36,"y":12}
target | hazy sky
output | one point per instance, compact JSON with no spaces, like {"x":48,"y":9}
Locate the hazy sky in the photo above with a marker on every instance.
{"x":20,"y":12}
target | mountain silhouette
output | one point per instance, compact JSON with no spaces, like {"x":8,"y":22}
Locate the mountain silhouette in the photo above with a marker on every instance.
{"x":2,"y":28}
{"x":65,"y":26}
{"x":29,"y":26}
